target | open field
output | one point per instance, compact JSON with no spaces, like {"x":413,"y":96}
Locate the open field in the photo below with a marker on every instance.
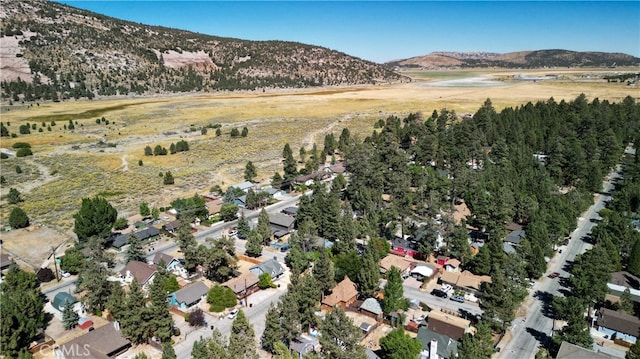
{"x":99,"y":158}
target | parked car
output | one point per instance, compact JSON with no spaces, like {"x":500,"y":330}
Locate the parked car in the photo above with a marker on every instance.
{"x":284,"y":248}
{"x":554,"y":275}
{"x":65,"y":274}
{"x":233,"y":314}
{"x":439,"y":293}
{"x":457,"y":298}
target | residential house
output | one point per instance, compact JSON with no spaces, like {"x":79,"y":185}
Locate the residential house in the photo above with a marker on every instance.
{"x":186,"y":297}
{"x":241,"y":201}
{"x":60,"y":301}
{"x":147,"y":234}
{"x":466,"y":281}
{"x":515,"y":237}
{"x":370,"y":354}
{"x":170,"y":262}
{"x":214,"y":205}
{"x":343,"y":294}
{"x":303,"y":345}
{"x":244,"y":186}
{"x":435,"y":345}
{"x":5,"y":261}
{"x":423,"y":271}
{"x":403,"y":265}
{"x":270,"y":266}
{"x":101,"y":343}
{"x":572,"y":351}
{"x":371,"y":308}
{"x":310,"y":178}
{"x":508,"y":248}
{"x":141,"y":271}
{"x":624,"y":280}
{"x":618,"y":325}
{"x":243,"y":285}
{"x":453,"y":265}
{"x":404,"y":247}
{"x":172,"y":227}
{"x":290,"y":211}
{"x":337,"y":168}
{"x":281,"y":222}
{"x":447,"y":324}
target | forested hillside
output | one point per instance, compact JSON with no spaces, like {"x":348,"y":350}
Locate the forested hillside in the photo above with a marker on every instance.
{"x":53,"y":51}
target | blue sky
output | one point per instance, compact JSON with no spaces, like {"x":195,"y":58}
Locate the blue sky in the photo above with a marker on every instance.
{"x":381,"y":31}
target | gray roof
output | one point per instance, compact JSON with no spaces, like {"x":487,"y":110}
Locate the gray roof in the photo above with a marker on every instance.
{"x":5,"y":260}
{"x":571,"y":351}
{"x":160,"y":256}
{"x":120,"y":240}
{"x":370,"y":354}
{"x":243,"y":186}
{"x":282,"y":220}
{"x":515,"y":237}
{"x":147,"y":233}
{"x":447,"y":347}
{"x":103,"y":342}
{"x":619,"y":321}
{"x":371,"y":305}
{"x":270,"y":266}
{"x":191,"y":293}
{"x":303,"y":345}
{"x":508,"y":248}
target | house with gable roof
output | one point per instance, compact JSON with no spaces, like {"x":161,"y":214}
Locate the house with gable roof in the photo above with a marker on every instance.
{"x":270,"y":266}
{"x":186,"y":297}
{"x":343,"y":294}
{"x":102,"y":343}
{"x":141,"y":271}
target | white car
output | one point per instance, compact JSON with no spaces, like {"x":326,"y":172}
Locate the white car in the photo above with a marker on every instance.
{"x":65,"y":274}
{"x":233,"y":314}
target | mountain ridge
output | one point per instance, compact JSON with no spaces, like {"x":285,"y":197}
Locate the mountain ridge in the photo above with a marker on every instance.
{"x":517,"y":59}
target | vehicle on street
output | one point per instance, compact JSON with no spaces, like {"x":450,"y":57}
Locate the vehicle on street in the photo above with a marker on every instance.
{"x":233,"y":314}
{"x":554,"y":275}
{"x":439,"y":293}
{"x":457,"y":298}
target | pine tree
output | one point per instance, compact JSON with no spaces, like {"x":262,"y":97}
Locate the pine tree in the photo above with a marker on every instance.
{"x":243,"y":227}
{"x":478,"y":346}
{"x":273,"y":333}
{"x":369,"y":276}
{"x":160,"y":320}
{"x":254,"y":244}
{"x":144,"y":209}
{"x":135,"y":252}
{"x":168,"y":178}
{"x":276,"y":180}
{"x":393,"y":292}
{"x":95,"y":218}
{"x":250,"y":172}
{"x":280,"y":351}
{"x":18,"y":218}
{"x":307,"y":294}
{"x":290,"y":318}
{"x":14,"y":196}
{"x":69,"y":316}
{"x":339,"y":337}
{"x":323,"y":272}
{"x":167,"y":351}
{"x":133,"y":323}
{"x":289,"y":163}
{"x":242,"y":339}
{"x":633,"y":265}
{"x":93,"y":279}
{"x":245,"y":132}
{"x":264,"y":226}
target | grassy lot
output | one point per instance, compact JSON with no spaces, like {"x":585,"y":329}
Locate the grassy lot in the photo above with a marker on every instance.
{"x":99,"y":158}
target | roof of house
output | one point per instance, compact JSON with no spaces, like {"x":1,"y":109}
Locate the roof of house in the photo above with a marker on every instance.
{"x":120,"y":240}
{"x":239,"y":283}
{"x":282,"y":220}
{"x":140,"y":270}
{"x":160,"y":256}
{"x":398,"y":242}
{"x":214,"y":206}
{"x":453,"y":262}
{"x":619,"y":321}
{"x":447,"y":347}
{"x":303,"y":345}
{"x":172,"y":226}
{"x":465,"y":279}
{"x":191,"y":293}
{"x":371,"y":354}
{"x":625,"y":279}
{"x":270,"y":266}
{"x":572,"y":351}
{"x":343,"y":292}
{"x":243,"y":186}
{"x":371,"y":305}
{"x":447,"y":324}
{"x":394,"y":261}
{"x":339,"y":167}
{"x":424,"y":270}
{"x":61,"y":299}
{"x":101,"y":343}
{"x":515,"y":237}
{"x":508,"y":248}
{"x":291,"y":211}
{"x":5,"y":260}
{"x":513,"y":226}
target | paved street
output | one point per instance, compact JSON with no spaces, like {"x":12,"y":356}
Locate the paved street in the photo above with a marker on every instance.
{"x":528,"y":335}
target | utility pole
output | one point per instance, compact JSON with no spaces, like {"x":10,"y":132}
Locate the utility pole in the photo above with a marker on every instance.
{"x":55,"y":263}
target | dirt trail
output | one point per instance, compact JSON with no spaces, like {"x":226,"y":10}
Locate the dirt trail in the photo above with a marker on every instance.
{"x":125,"y":164}
{"x":44,"y":178}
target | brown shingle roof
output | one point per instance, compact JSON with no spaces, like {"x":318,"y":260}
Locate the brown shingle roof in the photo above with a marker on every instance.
{"x":343,"y":292}
{"x":140,"y":270}
{"x":101,"y":343}
{"x":446,"y":324}
{"x":394,"y":261}
{"x":625,"y":279}
{"x":620,"y":322}
{"x":238,"y":284}
{"x":465,"y":279}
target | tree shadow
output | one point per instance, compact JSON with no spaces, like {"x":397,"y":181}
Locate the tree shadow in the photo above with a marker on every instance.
{"x":568,"y":266}
{"x":547,"y":299}
{"x":541,"y":337}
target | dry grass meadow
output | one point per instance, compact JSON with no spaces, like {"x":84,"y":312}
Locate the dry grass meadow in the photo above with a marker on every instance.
{"x":70,"y":165}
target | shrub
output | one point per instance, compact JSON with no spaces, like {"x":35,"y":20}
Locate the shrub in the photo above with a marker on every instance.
{"x":21,"y":145}
{"x":196,"y":319}
{"x":45,"y":275}
{"x":24,"y":152}
{"x":3,"y":155}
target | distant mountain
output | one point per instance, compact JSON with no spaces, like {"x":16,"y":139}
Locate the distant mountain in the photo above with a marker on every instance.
{"x":51,"y":51}
{"x":521,"y":59}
